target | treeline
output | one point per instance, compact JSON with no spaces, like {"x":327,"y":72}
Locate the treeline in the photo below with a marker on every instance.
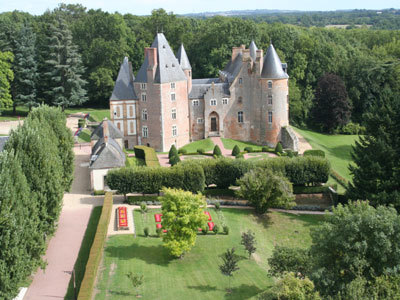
{"x":36,"y":167}
{"x":366,"y":60}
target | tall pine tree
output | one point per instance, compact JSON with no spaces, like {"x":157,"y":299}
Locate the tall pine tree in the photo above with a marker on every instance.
{"x":25,"y":69}
{"x":6,"y":76}
{"x":64,"y":67}
{"x":376,"y":173}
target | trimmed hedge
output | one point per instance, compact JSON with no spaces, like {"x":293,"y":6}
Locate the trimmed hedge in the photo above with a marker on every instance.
{"x":314,"y":153}
{"x":148,"y":154}
{"x":96,"y":251}
{"x":310,"y":189}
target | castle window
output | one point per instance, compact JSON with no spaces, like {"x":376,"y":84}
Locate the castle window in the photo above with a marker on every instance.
{"x":269,"y":84}
{"x":240,"y":117}
{"x":240,"y":99}
{"x":173,"y":114}
{"x":173,"y":85}
{"x":224,"y":100}
{"x":195,"y":102}
{"x":144,"y":114}
{"x":270,"y":117}
{"x":144,"y":97}
{"x":174,"y":130}
{"x":173,"y":97}
{"x":213,"y":102}
{"x":145,"y":132}
{"x":240,"y":80}
{"x":143,"y":86}
{"x":269,"y":99}
{"x":200,"y":121}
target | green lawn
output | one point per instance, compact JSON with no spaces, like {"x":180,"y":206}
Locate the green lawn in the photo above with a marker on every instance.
{"x":83,"y":255}
{"x":229,"y":144}
{"x":206,"y":145}
{"x":7,"y":114}
{"x":257,"y":156}
{"x":197,"y":275}
{"x":84,"y":136}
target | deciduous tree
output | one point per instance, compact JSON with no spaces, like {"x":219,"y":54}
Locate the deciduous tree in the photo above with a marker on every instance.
{"x":229,"y":265}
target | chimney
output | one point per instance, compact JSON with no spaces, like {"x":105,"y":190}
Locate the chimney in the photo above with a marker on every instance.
{"x":246,"y":55}
{"x":151,"y":54}
{"x":259,"y":61}
{"x":235,"y":52}
{"x":105,"y":130}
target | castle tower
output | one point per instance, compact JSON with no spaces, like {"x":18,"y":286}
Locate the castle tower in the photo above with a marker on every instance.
{"x":275,"y":93}
{"x":185,"y":65}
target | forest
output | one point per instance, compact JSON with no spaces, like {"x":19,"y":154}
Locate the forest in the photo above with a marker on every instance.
{"x":70,"y":56}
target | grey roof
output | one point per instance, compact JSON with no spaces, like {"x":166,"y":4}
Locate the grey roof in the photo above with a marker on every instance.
{"x":198,"y":90}
{"x":3,"y":140}
{"x":113,"y":131}
{"x":272,"y":68}
{"x":107,"y":155}
{"x":168,"y":67}
{"x":232,"y":68}
{"x":183,"y":59}
{"x":123,"y":88}
{"x":205,"y":80}
{"x":253,"y":50}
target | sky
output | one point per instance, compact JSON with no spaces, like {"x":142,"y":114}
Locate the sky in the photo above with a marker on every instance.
{"x":144,"y":7}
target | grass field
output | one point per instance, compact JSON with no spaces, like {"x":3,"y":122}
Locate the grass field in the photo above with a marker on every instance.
{"x":84,"y":136}
{"x":83,"y":255}
{"x":229,"y":144}
{"x":206,"y":145}
{"x":197,"y":275}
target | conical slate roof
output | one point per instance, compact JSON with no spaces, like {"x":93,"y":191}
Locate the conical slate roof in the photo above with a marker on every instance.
{"x":183,"y":59}
{"x":253,"y":50}
{"x":123,"y":88}
{"x":168,"y":68}
{"x":272,"y":68}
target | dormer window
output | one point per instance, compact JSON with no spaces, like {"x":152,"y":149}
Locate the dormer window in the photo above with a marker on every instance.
{"x":269,"y":84}
{"x":195,"y":102}
{"x":213,"y":102}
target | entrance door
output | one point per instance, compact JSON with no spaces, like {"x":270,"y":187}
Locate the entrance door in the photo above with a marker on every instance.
{"x":213,"y":124}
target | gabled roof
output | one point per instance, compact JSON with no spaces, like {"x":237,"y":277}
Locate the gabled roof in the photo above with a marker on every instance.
{"x":201,"y":86}
{"x":253,"y":50}
{"x":114,"y":132}
{"x":232,"y":69}
{"x":183,"y":59}
{"x":272,"y":68}
{"x":168,"y":67}
{"x":3,"y":140}
{"x":107,"y":155}
{"x":123,"y":88}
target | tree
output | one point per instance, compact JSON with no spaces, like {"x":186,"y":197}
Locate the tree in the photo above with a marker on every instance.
{"x":376,"y":156}
{"x":136,"y":281}
{"x":331,"y":107}
{"x":172,"y":151}
{"x":286,"y":259}
{"x":64,"y":67}
{"x":355,"y":240}
{"x":182,"y":216}
{"x":121,"y":180}
{"x":25,"y":69}
{"x":235,"y":150}
{"x":173,"y":160}
{"x":229,"y":265}
{"x":6,"y":76}
{"x":217,"y":151}
{"x":279,"y":148}
{"x":264,"y":189}
{"x":249,"y":242}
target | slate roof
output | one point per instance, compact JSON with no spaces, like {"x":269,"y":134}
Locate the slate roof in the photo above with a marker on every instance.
{"x":114,"y":132}
{"x":232,"y":68}
{"x":107,"y":155}
{"x":183,"y":59}
{"x":199,"y":89}
{"x":123,"y":88}
{"x":272,"y":68}
{"x":168,"y":67}
{"x":253,"y":50}
{"x":3,"y":140}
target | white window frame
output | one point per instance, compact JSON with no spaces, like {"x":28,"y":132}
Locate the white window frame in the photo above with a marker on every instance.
{"x":225,"y":101}
{"x":173,"y":85}
{"x":174,"y":130}
{"x":173,"y":97}
{"x":121,"y":125}
{"x":200,"y":120}
{"x":195,"y":102}
{"x":213,"y":102}
{"x":133,"y":108}
{"x":131,"y":125}
{"x":270,"y":117}
{"x":143,"y":86}
{"x":173,"y":114}
{"x":144,"y":114}
{"x":144,"y":97}
{"x":118,"y":112}
{"x":269,"y":84}
{"x":240,"y":117}
{"x":145,"y":132}
{"x":269,"y":99}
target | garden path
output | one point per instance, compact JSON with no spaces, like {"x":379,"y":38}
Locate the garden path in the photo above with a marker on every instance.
{"x":217,"y":141}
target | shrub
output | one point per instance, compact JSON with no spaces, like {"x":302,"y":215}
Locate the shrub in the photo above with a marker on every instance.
{"x":98,"y":192}
{"x":248,"y":149}
{"x":172,"y":151}
{"x":217,"y":205}
{"x":226,"y":229}
{"x":148,"y":154}
{"x":81,"y":123}
{"x":265,"y":149}
{"x":200,"y":151}
{"x":291,"y":153}
{"x":216,"y":229}
{"x":173,"y":160}
{"x":286,"y":259}
{"x":353,"y":128}
{"x":310,"y":189}
{"x":204,"y":229}
{"x":143,"y":207}
{"x":182,"y":151}
{"x":235,"y":150}
{"x":217,"y":151}
{"x":314,"y":153}
{"x":240,"y":155}
{"x":146,"y":231}
{"x":279,"y":148}
{"x":159,"y":232}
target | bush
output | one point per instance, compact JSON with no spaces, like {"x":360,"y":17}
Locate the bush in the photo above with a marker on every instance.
{"x":286,"y":259}
{"x":148,"y":154}
{"x":235,"y":150}
{"x":143,"y":207}
{"x":173,"y":160}
{"x":200,"y":151}
{"x":279,"y":148}
{"x":204,"y":229}
{"x":217,"y":205}
{"x":226,"y":229}
{"x":240,"y":155}
{"x":217,"y":151}
{"x":310,"y":189}
{"x":291,"y":153}
{"x":81,"y":123}
{"x":248,"y":149}
{"x":265,"y":149}
{"x":146,"y":231}
{"x":182,"y":151}
{"x":159,"y":232}
{"x":352,"y":128}
{"x":98,"y":192}
{"x":172,"y":151}
{"x":216,"y":229}
{"x":314,"y":153}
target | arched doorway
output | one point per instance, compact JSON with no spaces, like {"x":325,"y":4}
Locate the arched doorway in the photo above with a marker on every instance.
{"x":214,"y":123}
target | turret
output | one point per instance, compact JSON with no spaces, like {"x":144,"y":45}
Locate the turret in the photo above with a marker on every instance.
{"x":185,"y":65}
{"x":151,"y":55}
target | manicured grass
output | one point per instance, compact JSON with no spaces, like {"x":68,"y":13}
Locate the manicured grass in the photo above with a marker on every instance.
{"x":96,"y":114}
{"x":229,"y":144}
{"x":206,"y":145}
{"x":84,"y":136}
{"x":258,"y":156}
{"x":197,"y":275}
{"x":83,"y":255}
{"x":7,"y":114}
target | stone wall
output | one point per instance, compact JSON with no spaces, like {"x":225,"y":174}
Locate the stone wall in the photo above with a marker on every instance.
{"x":289,"y":139}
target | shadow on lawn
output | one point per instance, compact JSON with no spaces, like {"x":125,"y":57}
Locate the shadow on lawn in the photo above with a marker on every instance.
{"x":156,"y":255}
{"x":309,"y":220}
{"x":120,"y":293}
{"x":203,"y":288}
{"x":244,"y":291}
{"x":264,"y":220}
{"x":342,"y":151}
